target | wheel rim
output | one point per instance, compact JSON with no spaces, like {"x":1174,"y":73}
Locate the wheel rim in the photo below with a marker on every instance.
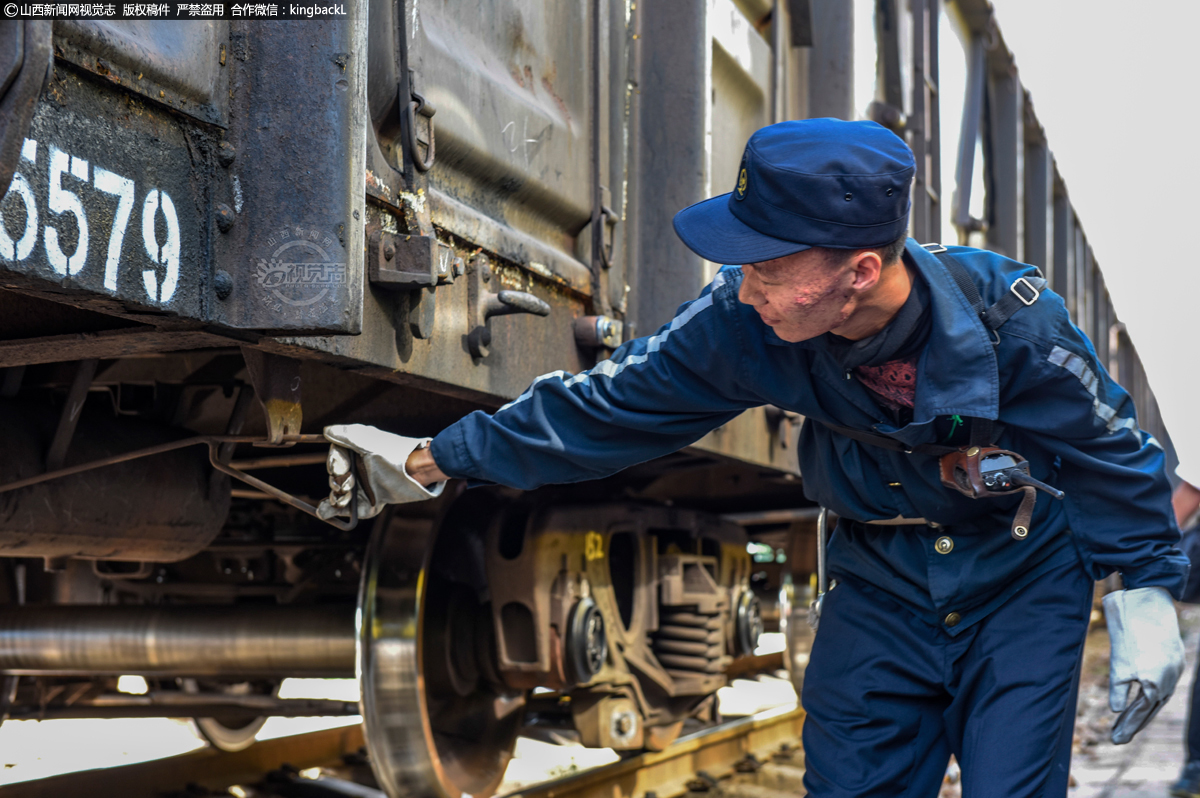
{"x":435,"y":721}
{"x":749,"y":625}
{"x":221,"y":734}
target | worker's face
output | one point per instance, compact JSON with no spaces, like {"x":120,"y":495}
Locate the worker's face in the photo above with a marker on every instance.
{"x":799,"y":296}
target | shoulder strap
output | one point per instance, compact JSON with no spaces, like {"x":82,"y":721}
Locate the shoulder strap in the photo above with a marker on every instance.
{"x":1022,"y":293}
{"x":885,"y":442}
{"x":984,"y":431}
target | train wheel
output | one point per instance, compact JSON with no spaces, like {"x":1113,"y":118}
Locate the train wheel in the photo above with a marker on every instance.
{"x":437,"y":720}
{"x":223,"y":733}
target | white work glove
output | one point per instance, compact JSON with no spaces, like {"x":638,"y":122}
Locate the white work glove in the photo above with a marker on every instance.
{"x":1147,"y":653}
{"x":382,"y":456}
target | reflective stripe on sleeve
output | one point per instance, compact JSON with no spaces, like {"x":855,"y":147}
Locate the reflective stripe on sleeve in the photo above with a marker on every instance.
{"x":1079,"y":367}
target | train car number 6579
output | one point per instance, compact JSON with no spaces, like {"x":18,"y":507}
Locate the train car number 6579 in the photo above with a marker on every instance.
{"x":47,"y":219}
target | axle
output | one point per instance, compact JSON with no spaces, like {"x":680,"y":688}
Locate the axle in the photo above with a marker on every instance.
{"x":314,"y":641}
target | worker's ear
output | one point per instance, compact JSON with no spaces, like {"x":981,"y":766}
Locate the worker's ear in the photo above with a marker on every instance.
{"x":866,"y":266}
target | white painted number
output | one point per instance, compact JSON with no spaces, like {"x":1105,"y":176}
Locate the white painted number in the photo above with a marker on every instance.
{"x":19,"y":250}
{"x":63,"y":201}
{"x":167,"y":253}
{"x":122,"y":188}
{"x":164,"y":255}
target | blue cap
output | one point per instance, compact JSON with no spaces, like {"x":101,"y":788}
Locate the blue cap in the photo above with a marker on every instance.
{"x":803,"y":184}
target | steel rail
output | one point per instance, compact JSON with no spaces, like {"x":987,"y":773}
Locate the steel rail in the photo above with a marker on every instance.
{"x":706,"y":756}
{"x":713,"y":754}
{"x":207,"y":768}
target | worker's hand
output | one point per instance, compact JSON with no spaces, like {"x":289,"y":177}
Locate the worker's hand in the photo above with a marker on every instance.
{"x":381,"y":478}
{"x":1147,"y":656}
{"x":422,"y":467}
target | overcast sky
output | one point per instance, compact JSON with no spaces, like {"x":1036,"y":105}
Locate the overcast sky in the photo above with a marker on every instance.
{"x":1114,"y":86}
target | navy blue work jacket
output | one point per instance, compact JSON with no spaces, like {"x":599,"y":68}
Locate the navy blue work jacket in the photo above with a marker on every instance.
{"x":1058,"y":407}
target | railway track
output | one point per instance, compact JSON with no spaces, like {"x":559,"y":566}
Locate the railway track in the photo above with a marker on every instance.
{"x":204,"y":772}
{"x":753,"y":757}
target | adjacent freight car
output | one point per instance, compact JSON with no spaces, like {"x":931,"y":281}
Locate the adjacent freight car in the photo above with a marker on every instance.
{"x":220,"y":236}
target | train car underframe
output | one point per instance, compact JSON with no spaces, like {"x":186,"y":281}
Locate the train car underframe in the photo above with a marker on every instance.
{"x":607,"y":612}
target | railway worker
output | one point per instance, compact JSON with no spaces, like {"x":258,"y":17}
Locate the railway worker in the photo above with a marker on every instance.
{"x":954,"y":628}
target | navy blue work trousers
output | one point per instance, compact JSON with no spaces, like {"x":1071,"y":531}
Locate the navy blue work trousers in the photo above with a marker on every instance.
{"x":889,"y":697}
{"x":1193,"y":721}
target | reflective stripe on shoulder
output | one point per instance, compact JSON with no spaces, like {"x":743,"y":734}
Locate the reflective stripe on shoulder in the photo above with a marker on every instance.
{"x":1079,"y":367}
{"x":611,"y":368}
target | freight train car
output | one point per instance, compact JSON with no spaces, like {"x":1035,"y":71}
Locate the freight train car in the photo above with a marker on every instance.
{"x":218,"y":236}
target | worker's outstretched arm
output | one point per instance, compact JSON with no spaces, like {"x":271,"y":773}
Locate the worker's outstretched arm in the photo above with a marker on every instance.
{"x":654,"y":396}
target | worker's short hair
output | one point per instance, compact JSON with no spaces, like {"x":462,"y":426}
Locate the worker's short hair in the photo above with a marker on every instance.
{"x":892,"y":252}
{"x":888,"y":253}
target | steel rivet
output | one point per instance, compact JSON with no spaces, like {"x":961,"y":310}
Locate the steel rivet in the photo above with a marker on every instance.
{"x":389,"y":252}
{"x":226,"y":153}
{"x":222,"y":284}
{"x":225,"y":217}
{"x":1020,"y":531}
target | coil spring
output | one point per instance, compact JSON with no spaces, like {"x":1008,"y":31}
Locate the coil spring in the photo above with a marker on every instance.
{"x":689,"y":642}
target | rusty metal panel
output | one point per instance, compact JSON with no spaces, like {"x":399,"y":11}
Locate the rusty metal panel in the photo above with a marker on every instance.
{"x":669,"y":157}
{"x":706,"y":87}
{"x":831,"y":63}
{"x":689,"y":92}
{"x":289,"y":206}
{"x":178,"y":63}
{"x":522,"y":347}
{"x":510,"y":84}
{"x":121,"y":201}
{"x":741,"y":75}
{"x":109,"y":198}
